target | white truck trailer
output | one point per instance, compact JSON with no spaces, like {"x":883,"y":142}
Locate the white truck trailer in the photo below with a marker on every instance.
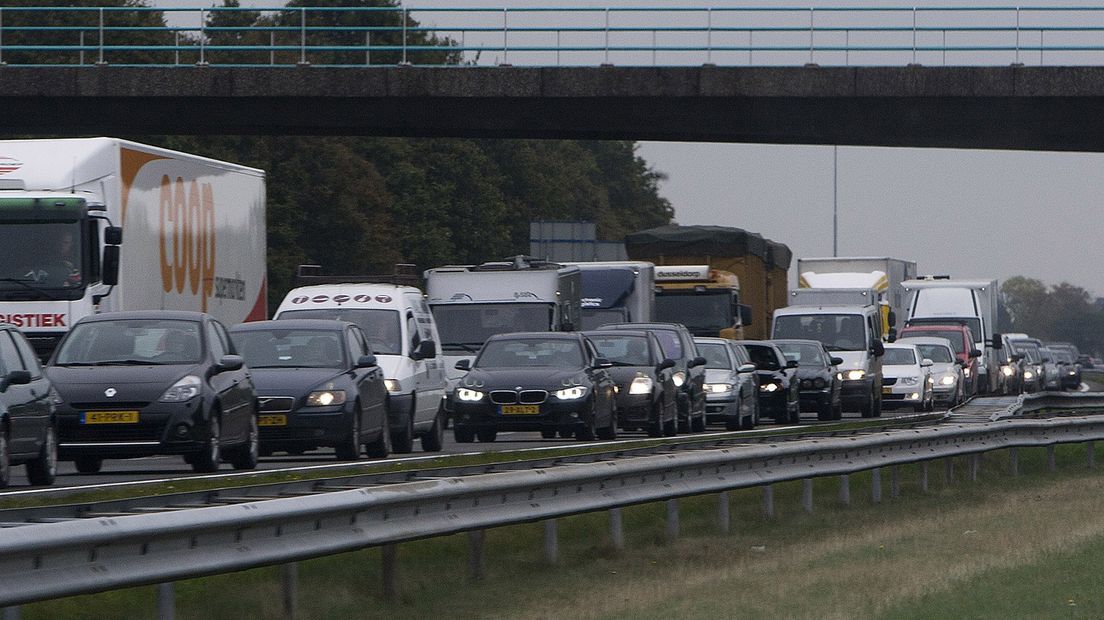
{"x":616,"y":292}
{"x":882,"y":274}
{"x":93,"y":225}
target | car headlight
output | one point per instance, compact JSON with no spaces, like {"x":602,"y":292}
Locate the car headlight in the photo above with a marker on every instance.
{"x":679,"y":378}
{"x":948,"y":379}
{"x":856,"y":375}
{"x":187,"y":388}
{"x":392,"y":385}
{"x":641,"y":385}
{"x":325,"y":398}
{"x":718,"y":388}
{"x":1008,"y":371}
{"x":908,"y":380}
{"x":770,"y":387}
{"x":467,"y":395}
{"x":1072,"y":372}
{"x":571,"y":393}
{"x":1029,"y":374}
{"x":914,"y":396}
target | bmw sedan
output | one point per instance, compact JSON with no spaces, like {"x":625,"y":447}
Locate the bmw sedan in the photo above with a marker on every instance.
{"x":318,"y":385}
{"x":153,"y":382}
{"x":818,"y":376}
{"x":535,"y":381}
{"x":647,"y":398}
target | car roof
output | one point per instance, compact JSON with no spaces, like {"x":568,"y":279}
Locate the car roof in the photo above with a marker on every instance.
{"x":927,"y":340}
{"x":545,"y":335}
{"x":312,"y":324}
{"x":640,"y":333}
{"x":678,"y":326}
{"x":712,"y":340}
{"x":900,"y":345}
{"x":176,"y":315}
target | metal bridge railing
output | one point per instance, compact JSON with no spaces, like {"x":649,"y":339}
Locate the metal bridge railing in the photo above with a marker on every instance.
{"x":551,"y":36}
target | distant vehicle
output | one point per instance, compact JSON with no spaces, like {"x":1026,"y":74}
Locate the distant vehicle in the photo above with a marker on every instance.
{"x":616,"y":292}
{"x":882,"y":274}
{"x":1012,"y":368}
{"x":151,"y":382}
{"x":689,"y":371}
{"x":1052,"y":370}
{"x":731,"y":387}
{"x":535,"y":381}
{"x":778,"y":384}
{"x":1069,"y":372}
{"x":962,"y":341}
{"x":318,"y":385}
{"x":705,"y":300}
{"x":1034,"y":377}
{"x":28,"y":412}
{"x":949,"y":382}
{"x":647,"y":397}
{"x":908,"y":379}
{"x":819,"y":379}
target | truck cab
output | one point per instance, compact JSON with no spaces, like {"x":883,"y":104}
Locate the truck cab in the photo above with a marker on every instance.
{"x":706,"y":301}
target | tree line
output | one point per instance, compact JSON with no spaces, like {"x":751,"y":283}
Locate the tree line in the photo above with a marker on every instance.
{"x":1060,"y":312}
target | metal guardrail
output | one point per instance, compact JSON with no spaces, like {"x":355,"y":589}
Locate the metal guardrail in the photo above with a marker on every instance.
{"x":551,"y":35}
{"x":50,"y":560}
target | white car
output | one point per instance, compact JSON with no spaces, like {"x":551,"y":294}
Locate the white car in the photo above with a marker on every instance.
{"x":906,"y":378}
{"x":949,"y":384}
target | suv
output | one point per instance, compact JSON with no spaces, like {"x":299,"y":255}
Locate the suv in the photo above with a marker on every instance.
{"x":962,"y":341}
{"x":678,"y":345}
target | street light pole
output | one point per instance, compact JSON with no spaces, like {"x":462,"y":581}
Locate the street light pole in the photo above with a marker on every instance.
{"x":835,"y":200}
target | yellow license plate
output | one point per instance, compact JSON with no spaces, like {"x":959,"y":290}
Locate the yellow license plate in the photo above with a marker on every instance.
{"x":886,"y":390}
{"x":520,"y":409}
{"x":272,"y":420}
{"x":109,"y":417}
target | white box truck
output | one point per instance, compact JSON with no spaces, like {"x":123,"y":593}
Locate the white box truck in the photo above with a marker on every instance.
{"x":616,"y":292}
{"x":883,"y":274}
{"x":93,"y":225}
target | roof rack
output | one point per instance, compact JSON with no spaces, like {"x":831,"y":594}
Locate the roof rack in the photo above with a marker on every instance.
{"x":406,"y":274}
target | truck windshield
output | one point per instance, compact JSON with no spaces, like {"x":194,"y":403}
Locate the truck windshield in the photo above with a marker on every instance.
{"x":465,"y":327}
{"x":838,"y":332}
{"x":702,"y":313}
{"x":42,"y":260}
{"x":593,"y":318}
{"x":381,"y":327}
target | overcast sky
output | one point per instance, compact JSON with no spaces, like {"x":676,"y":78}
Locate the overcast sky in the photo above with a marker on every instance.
{"x":967,"y":213}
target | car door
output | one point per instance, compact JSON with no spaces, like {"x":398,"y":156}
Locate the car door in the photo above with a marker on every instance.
{"x":600,"y":379}
{"x":21,"y":400}
{"x":369,"y":384}
{"x":227,"y":387}
{"x":40,"y":387}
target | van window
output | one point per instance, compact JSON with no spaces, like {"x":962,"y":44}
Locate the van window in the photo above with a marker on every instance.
{"x":838,"y":332}
{"x":380,"y":326}
{"x":412,"y":332}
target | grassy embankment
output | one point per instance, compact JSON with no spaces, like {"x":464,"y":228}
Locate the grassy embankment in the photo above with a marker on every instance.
{"x":1002,"y":547}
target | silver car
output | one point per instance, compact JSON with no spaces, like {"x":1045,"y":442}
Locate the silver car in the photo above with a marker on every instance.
{"x":906,"y":378}
{"x":948,"y":382}
{"x":731,"y":388}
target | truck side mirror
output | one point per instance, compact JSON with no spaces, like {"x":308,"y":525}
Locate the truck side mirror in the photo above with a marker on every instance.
{"x":745,"y":315}
{"x":111,"y":265}
{"x":878,"y":349}
{"x":113,"y":235}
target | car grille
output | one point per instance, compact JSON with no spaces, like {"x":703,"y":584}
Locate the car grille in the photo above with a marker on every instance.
{"x":283,"y":433}
{"x":276,"y":404}
{"x":525,"y":397}
{"x":889,"y":380}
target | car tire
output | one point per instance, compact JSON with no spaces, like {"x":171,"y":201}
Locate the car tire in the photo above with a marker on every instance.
{"x":88,"y":464}
{"x":866,"y":410}
{"x":587,"y":430}
{"x":734,"y":423}
{"x":403,"y":441}
{"x":349,"y":448}
{"x":486,"y":435}
{"x":208,"y":459}
{"x":246,"y":455}
{"x":609,"y":433}
{"x":380,"y":448}
{"x":463,"y":434}
{"x":697,"y":425}
{"x":434,"y":439}
{"x":837,"y":411}
{"x":43,"y":470}
{"x":5,"y":461}
{"x":548,"y":433}
{"x":794,"y":412}
{"x":567,"y":432}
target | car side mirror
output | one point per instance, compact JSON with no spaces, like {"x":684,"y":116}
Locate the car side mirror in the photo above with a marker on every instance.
{"x":665,"y":364}
{"x":697,"y":361}
{"x":924,"y":363}
{"x":791,"y":364}
{"x":113,"y":235}
{"x":227,"y":363}
{"x":16,"y":377}
{"x":878,"y":349}
{"x":975,"y":353}
{"x":366,"y":361}
{"x":836,"y":361}
{"x":602,"y":362}
{"x":463,"y":365}
{"x":745,"y":368}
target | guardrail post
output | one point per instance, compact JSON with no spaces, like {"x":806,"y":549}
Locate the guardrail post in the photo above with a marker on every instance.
{"x":475,"y":554}
{"x":924,"y":477}
{"x":289,"y":574}
{"x":551,"y":542}
{"x":768,"y":502}
{"x":845,"y":490}
{"x":617,"y":531}
{"x":948,"y":471}
{"x":672,"y":520}
{"x":391,"y":572}
{"x":975,"y":467}
{"x":166,"y":604}
{"x":895,"y":482}
{"x":724,"y":522}
{"x":1014,"y":461}
{"x":1090,"y":452}
{"x":807,"y":494}
{"x":1052,"y":464}
{"x":876,"y":485}
{"x":11,"y":613}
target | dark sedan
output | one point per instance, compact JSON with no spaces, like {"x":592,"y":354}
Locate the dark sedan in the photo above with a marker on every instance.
{"x":535,"y":381}
{"x":647,"y":398}
{"x":27,"y":411}
{"x":318,"y":385}
{"x":154,"y":382}
{"x":819,"y":381}
{"x":778,"y":387}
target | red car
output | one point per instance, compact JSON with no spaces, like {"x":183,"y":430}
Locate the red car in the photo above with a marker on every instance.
{"x":962,"y":341}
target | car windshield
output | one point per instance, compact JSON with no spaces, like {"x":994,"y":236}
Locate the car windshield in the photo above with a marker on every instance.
{"x":805,"y":354}
{"x":530,"y":352}
{"x":132,"y":341}
{"x":381,"y":327}
{"x":763,"y":357}
{"x":937,"y":353}
{"x":899,"y":357}
{"x":838,"y":332}
{"x":955,"y":337}
{"x":291,"y":348}
{"x":465,"y":327}
{"x":623,"y":350}
{"x":716,"y":355}
{"x":1027,"y":349}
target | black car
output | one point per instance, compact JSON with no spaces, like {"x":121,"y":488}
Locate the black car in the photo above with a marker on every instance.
{"x":27,"y":411}
{"x":535,"y":381}
{"x":153,"y":382}
{"x":778,"y":386}
{"x":318,"y":385}
{"x":678,"y":345}
{"x":647,"y":398}
{"x":819,"y":381}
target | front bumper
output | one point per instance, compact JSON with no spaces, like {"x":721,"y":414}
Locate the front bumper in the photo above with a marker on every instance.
{"x":161,"y":428}
{"x":902,"y":395}
{"x":551,"y":414}
{"x":855,"y":394}
{"x":773,"y":404}
{"x":721,"y":407}
{"x":636,"y":410}
{"x":813,"y":400}
{"x":305,"y":428}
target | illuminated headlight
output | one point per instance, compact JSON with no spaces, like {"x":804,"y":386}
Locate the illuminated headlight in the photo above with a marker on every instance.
{"x":1072,"y":372}
{"x":948,"y":379}
{"x":571,"y":393}
{"x":856,"y":375}
{"x":392,"y":385}
{"x":325,"y":398}
{"x":679,"y":378}
{"x":1028,"y":374}
{"x":839,"y":376}
{"x":1008,"y":371}
{"x":770,"y":387}
{"x":641,"y":385}
{"x":185,"y":389}
{"x":467,"y":395}
{"x":914,"y":396}
{"x":718,"y":388}
{"x":966,"y":372}
{"x":907,"y":380}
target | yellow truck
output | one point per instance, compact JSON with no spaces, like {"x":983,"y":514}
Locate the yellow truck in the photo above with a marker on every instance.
{"x":706,"y":301}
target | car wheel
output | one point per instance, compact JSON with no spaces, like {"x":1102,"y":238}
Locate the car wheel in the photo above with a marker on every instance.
{"x":794,"y":411}
{"x":246,"y":455}
{"x":587,"y":430}
{"x":866,"y":410}
{"x":463,"y":434}
{"x":837,"y":411}
{"x":88,"y":464}
{"x":548,"y":433}
{"x":697,"y":425}
{"x":609,"y":433}
{"x":486,"y":435}
{"x":403,"y":441}
{"x":567,"y":432}
{"x":434,"y":439}
{"x":208,"y":460}
{"x":349,"y":448}
{"x":877,"y":406}
{"x":43,"y":469}
{"x":5,"y":461}
{"x":734,"y":423}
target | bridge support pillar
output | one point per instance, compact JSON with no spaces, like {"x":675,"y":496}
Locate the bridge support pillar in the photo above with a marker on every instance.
{"x":289,"y":577}
{"x":876,"y":485}
{"x":672,"y":520}
{"x":166,"y":601}
{"x":807,"y":494}
{"x":768,"y":502}
{"x":551,"y":542}
{"x":617,"y":530}
{"x":845,"y":490}
{"x":390,"y":555}
{"x":724,"y":520}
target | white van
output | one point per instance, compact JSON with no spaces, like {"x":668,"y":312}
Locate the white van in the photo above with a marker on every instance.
{"x":403,"y":337}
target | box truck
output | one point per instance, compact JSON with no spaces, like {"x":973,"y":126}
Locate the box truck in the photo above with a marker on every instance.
{"x":92,"y":225}
{"x":884,"y":275}
{"x":616,"y":292}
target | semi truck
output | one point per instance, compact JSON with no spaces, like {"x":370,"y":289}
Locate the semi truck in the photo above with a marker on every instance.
{"x":92,"y":225}
{"x":616,"y":292}
{"x":759,"y":266}
{"x":706,"y":301}
{"x":882,"y":274}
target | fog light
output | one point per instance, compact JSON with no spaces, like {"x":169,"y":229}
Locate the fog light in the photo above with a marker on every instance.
{"x":914,"y":396}
{"x":181,"y":431}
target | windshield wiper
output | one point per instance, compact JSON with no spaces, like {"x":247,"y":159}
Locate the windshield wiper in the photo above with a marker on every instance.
{"x":23,"y":282}
{"x":470,"y":347}
{"x":130,"y":362}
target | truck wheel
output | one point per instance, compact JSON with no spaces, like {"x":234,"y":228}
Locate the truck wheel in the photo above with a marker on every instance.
{"x":43,"y":469}
{"x":434,"y":439}
{"x":88,"y":464}
{"x":486,"y":435}
{"x":463,"y":434}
